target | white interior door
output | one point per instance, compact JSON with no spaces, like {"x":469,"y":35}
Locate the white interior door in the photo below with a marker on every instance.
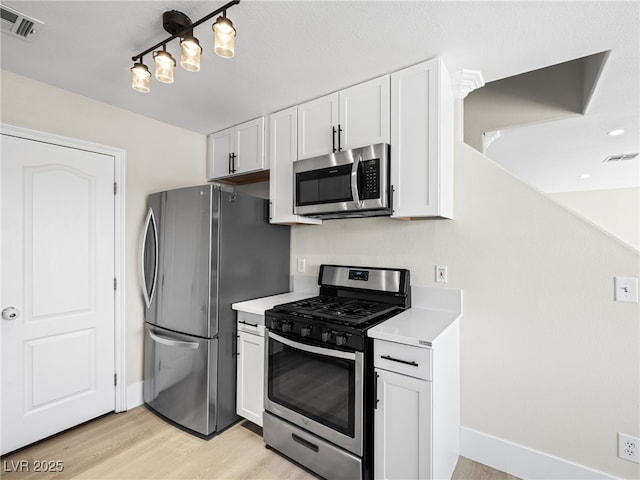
{"x":57,"y":256}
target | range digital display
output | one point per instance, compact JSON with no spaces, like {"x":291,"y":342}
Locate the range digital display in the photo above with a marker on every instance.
{"x":359,"y":275}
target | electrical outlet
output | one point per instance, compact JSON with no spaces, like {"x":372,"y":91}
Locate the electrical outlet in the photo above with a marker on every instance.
{"x":441,"y":273}
{"x":302,"y":265}
{"x":629,"y":447}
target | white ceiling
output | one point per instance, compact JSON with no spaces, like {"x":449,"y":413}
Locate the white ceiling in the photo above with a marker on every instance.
{"x":291,"y":51}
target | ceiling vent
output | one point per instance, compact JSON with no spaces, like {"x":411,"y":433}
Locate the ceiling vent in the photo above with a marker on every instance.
{"x":19,"y":25}
{"x":619,"y":158}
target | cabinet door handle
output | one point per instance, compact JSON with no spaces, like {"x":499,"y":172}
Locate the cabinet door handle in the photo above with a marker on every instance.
{"x":375,"y":394}
{"x":247,"y":323}
{"x":405,"y":362}
{"x":339,"y":135}
{"x":233,"y":163}
{"x":391,"y":201}
{"x":229,"y":164}
{"x":333,"y":144}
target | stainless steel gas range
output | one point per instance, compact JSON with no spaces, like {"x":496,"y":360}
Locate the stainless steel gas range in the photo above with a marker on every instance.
{"x":319,"y":395}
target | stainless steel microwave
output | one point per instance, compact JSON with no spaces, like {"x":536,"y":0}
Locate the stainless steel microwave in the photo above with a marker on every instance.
{"x":350,"y":183}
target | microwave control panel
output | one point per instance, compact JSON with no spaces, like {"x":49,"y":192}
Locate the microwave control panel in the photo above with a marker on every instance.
{"x":370,"y":179}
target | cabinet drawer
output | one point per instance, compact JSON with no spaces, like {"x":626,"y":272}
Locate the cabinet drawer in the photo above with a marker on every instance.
{"x":404,"y":359}
{"x":251,"y":323}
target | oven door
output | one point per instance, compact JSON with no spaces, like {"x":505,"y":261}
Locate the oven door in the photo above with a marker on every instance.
{"x":317,"y":389}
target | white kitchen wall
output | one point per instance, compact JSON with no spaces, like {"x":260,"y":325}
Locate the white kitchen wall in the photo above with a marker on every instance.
{"x":159,"y":156}
{"x":616,"y":210}
{"x":549,"y":360}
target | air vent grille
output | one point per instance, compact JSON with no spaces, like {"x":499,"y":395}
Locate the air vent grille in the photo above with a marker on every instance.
{"x":18,"y":24}
{"x":620,"y":158}
{"x":25,"y":28}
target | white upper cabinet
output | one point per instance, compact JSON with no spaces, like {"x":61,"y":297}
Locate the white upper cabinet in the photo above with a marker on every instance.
{"x":237,"y":150}
{"x":354,"y":117}
{"x":220,"y":146}
{"x":364,"y":114}
{"x":317,"y":126}
{"x":422,"y":141}
{"x":283,"y":151}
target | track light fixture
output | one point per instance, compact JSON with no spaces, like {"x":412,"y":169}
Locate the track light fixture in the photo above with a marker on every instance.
{"x":180,"y":26}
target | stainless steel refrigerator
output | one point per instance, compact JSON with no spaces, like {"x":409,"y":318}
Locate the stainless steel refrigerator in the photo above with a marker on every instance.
{"x":203,"y":248}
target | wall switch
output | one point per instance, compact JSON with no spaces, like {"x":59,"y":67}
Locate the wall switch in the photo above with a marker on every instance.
{"x":628,"y":447}
{"x":626,"y":289}
{"x":441,"y":273}
{"x":302,"y":265}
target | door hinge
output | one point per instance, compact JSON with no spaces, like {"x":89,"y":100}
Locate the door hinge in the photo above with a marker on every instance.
{"x":115,"y":188}
{"x":115,"y":283}
{"x":115,"y":379}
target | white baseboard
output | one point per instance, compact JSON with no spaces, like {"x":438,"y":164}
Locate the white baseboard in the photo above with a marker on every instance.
{"x":521,"y":461}
{"x":134,"y":395}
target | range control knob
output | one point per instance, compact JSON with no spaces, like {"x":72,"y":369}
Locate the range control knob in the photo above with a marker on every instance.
{"x":287,"y":327}
{"x":306,"y":331}
{"x":341,"y":340}
{"x":275,"y":324}
{"x":326,"y":335}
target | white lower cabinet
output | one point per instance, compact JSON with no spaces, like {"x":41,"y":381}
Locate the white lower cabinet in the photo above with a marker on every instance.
{"x":417,"y":416}
{"x":250,"y":369}
{"x":402,"y":427}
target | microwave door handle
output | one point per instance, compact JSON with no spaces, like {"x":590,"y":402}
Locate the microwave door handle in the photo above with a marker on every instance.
{"x":354,"y":180}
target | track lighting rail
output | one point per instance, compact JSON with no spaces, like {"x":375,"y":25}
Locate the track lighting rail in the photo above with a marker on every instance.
{"x":187,"y":29}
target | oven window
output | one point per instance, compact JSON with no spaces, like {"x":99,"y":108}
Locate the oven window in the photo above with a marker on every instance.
{"x":327,"y":185}
{"x":319,"y":387}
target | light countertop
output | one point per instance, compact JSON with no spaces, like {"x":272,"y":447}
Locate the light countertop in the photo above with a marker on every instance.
{"x":433,"y":311}
{"x":260,"y":305}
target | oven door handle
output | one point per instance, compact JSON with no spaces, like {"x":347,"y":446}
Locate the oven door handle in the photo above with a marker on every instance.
{"x":311,"y":349}
{"x":354,"y":180}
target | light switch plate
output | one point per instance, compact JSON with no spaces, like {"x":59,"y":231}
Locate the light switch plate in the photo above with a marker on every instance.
{"x":626,"y":289}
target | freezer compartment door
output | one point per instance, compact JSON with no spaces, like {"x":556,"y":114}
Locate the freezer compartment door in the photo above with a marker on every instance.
{"x":180,"y":378}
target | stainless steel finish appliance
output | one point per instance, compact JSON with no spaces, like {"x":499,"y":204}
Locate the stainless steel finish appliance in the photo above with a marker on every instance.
{"x":349,"y":183}
{"x":319,"y":395}
{"x":203,"y":249}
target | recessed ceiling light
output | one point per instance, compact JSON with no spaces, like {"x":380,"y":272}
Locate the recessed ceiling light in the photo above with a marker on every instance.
{"x":615,"y":133}
{"x":584,"y":176}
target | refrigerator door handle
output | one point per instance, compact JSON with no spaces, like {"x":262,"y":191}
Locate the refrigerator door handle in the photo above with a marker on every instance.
{"x":149,"y":223}
{"x":170,"y":342}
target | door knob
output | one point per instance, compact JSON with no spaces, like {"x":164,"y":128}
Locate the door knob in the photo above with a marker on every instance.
{"x":10,"y":313}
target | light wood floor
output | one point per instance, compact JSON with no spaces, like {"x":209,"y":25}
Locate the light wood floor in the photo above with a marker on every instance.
{"x":138,"y":445}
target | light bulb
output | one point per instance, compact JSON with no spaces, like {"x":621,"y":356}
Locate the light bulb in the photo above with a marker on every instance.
{"x":224,"y":37}
{"x":164,"y":66}
{"x":190,"y":54}
{"x":140,"y":76}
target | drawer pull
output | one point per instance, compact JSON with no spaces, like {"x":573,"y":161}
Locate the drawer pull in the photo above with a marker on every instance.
{"x":405,"y":362}
{"x":305,"y":443}
{"x":249,"y":324}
